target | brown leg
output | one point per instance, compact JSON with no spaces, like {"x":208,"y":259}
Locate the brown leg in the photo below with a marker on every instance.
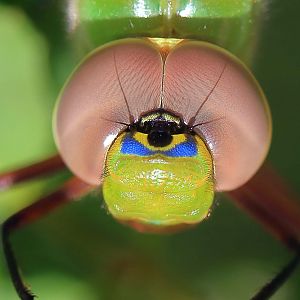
{"x":45,"y":167}
{"x":72,"y":189}
{"x":267,"y":198}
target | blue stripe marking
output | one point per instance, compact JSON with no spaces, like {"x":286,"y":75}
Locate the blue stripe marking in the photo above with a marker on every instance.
{"x":133,"y":147}
{"x":185,"y":149}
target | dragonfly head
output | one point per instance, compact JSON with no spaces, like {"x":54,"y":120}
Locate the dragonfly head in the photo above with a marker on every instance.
{"x":161,"y":127}
{"x":158,"y":174}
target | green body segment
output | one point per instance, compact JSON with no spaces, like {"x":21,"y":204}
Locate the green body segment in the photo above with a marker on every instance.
{"x":231,"y":24}
{"x":158,"y":189}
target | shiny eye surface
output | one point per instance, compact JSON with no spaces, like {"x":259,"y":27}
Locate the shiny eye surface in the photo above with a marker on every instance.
{"x":93,"y":101}
{"x":210,"y":87}
{"x":132,"y":111}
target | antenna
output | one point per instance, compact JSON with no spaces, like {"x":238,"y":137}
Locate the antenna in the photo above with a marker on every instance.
{"x":192,"y":120}
{"x":131,"y":118}
{"x":207,"y":122}
{"x":162,"y":85}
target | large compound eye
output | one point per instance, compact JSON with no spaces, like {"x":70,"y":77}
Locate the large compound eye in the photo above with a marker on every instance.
{"x":114,"y":85}
{"x":207,"y":87}
{"x":210,"y":87}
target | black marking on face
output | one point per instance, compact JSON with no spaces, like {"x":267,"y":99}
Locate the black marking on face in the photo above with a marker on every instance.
{"x":160,"y":126}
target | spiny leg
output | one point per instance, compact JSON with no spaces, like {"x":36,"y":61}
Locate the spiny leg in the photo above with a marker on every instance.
{"x":271,"y":287}
{"x":267,"y":198}
{"x":43,"y":168}
{"x":72,"y":189}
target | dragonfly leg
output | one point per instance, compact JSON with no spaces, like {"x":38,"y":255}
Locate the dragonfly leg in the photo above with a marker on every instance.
{"x":72,"y":189}
{"x":45,"y":167}
{"x":271,"y":287}
{"x":268,"y":199}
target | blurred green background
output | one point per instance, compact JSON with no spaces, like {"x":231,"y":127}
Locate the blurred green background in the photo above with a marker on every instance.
{"x":80,"y":252}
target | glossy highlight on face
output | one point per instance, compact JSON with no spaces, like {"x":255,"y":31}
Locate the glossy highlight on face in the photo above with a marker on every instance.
{"x":163,"y":186}
{"x":162,"y":127}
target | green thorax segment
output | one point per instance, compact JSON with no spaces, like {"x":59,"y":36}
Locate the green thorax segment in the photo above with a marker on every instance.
{"x":231,"y":24}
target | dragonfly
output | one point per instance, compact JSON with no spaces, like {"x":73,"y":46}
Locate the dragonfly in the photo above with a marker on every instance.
{"x":168,"y":21}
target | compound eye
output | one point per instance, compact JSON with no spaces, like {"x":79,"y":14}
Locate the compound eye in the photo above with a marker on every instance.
{"x":212,"y":91}
{"x":111,"y":88}
{"x":216,"y":95}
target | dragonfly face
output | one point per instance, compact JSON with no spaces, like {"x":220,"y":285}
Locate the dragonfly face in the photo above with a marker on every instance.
{"x":159,"y":174}
{"x":158,"y":124}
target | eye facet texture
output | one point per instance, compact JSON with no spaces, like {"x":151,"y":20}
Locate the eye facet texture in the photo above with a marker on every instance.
{"x":92,"y":102}
{"x":208,"y":86}
{"x":199,"y":82}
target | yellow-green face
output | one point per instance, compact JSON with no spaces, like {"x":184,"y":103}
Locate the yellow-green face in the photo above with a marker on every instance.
{"x":160,"y":186}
